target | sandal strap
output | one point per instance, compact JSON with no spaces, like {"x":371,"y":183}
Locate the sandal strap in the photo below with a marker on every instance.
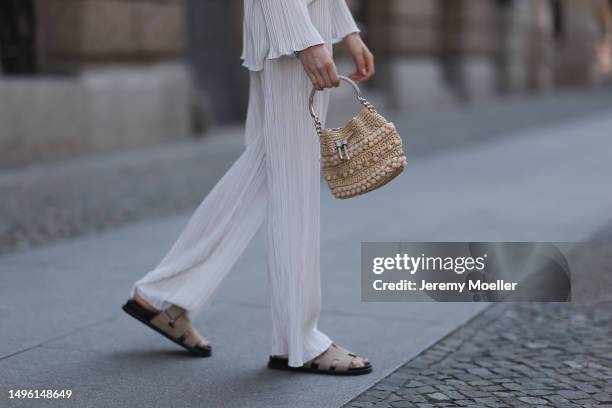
{"x":174,"y":322}
{"x":193,"y":338}
{"x":335,"y":358}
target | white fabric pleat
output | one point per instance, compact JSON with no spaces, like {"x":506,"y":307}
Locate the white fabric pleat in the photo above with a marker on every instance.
{"x":276,"y":181}
{"x":288,"y":26}
{"x":273,"y":28}
{"x":343,"y":23}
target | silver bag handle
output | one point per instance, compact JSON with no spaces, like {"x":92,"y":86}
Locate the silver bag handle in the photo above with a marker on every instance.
{"x":358,"y":94}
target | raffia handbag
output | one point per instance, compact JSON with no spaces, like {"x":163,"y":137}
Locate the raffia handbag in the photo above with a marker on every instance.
{"x":361,"y":156}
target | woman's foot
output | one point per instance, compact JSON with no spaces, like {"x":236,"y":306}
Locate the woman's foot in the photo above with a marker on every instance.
{"x":355,"y":362}
{"x":335,"y":360}
{"x":173,"y":323}
{"x":140,"y":300}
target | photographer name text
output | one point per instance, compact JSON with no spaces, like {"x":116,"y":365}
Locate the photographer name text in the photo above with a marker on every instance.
{"x":472,"y":285}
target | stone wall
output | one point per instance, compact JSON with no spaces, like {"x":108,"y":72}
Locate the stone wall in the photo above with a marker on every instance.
{"x":110,"y":75}
{"x":487,"y":47}
{"x":416,"y":27}
{"x":73,"y":31}
{"x":100,"y":109}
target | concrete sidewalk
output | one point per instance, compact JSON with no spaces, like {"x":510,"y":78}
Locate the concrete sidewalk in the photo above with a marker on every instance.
{"x":62,"y":327}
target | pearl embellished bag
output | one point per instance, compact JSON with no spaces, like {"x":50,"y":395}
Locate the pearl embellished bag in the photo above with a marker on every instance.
{"x":361,"y":156}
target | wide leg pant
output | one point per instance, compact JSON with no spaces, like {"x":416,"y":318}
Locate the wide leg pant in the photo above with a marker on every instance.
{"x":276,"y":180}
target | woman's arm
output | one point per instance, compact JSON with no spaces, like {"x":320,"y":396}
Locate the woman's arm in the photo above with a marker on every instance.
{"x":362,"y":57}
{"x":320,"y":67}
{"x":345,"y":30}
{"x":290,"y":30}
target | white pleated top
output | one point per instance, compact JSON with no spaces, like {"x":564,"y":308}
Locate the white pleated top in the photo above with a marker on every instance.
{"x":273,"y":28}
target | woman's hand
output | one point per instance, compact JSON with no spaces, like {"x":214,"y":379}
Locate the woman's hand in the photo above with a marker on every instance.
{"x":319,"y":66}
{"x":362,"y":57}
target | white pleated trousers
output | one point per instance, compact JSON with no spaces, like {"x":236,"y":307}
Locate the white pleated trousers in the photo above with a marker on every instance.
{"x":276,"y":181}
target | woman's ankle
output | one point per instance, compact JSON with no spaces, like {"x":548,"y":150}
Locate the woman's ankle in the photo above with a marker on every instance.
{"x":142,"y":302}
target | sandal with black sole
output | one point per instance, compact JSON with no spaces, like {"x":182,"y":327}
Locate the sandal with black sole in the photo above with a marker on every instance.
{"x":171,"y":323}
{"x":333,"y":361}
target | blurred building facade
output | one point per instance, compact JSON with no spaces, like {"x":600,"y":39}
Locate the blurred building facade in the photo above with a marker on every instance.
{"x":90,"y":75}
{"x":492,"y":46}
{"x":433,"y":52}
{"x":87,"y":75}
{"x":215,"y":44}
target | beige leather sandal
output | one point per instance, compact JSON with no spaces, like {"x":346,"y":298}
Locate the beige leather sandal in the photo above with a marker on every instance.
{"x":171,"y":323}
{"x":335,"y":361}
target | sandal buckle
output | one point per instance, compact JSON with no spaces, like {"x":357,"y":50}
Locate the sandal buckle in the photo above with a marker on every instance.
{"x":172,"y":319}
